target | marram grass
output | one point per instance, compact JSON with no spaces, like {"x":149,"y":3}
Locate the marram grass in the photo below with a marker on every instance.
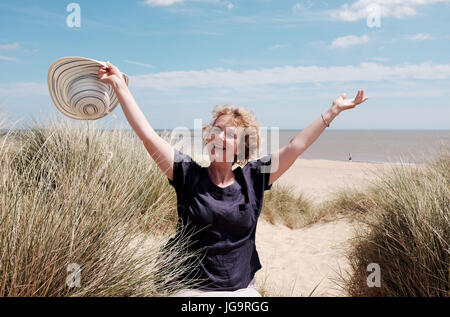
{"x":81,"y":197}
{"x":405,"y":230}
{"x":282,"y":206}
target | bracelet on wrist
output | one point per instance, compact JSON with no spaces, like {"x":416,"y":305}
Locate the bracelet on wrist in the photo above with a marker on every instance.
{"x":327,"y":124}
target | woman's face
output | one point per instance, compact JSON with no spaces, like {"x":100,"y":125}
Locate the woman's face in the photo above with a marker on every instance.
{"x":222,"y":140}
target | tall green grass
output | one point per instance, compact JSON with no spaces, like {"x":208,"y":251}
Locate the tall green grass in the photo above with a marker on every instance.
{"x":282,"y":206}
{"x":78,"y":195}
{"x":405,"y":230}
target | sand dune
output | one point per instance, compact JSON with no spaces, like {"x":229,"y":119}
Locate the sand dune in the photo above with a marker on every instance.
{"x":295,"y":261}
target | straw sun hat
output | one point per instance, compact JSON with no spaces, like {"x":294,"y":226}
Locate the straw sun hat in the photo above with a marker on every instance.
{"x":77,"y":91}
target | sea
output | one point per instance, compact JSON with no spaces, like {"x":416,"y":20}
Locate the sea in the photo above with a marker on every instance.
{"x":377,"y":146}
{"x":394,"y":146}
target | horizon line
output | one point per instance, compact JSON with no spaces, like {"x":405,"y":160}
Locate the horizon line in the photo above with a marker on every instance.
{"x":299,"y":129}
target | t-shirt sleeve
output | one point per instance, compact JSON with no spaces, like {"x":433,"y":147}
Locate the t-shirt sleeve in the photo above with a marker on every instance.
{"x":183,"y":166}
{"x":260,"y":172}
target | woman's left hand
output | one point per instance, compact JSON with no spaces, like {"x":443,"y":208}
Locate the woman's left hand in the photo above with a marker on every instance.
{"x":341,"y":103}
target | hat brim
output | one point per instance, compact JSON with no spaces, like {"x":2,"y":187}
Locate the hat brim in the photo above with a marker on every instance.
{"x":63,"y":72}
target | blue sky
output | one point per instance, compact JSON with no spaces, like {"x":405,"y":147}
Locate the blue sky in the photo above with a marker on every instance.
{"x":285,"y":60}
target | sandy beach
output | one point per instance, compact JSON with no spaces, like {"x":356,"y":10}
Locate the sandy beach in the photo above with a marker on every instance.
{"x":318,"y":179}
{"x":296,"y":261}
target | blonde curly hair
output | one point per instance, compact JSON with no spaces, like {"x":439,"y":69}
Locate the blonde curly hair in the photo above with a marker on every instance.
{"x":242,"y":118}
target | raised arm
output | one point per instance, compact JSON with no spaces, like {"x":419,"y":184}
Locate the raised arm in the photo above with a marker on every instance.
{"x":158,"y":148}
{"x":287,"y":155}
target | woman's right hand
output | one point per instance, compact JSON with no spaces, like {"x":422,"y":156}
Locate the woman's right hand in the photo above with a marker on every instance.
{"x":110,"y":74}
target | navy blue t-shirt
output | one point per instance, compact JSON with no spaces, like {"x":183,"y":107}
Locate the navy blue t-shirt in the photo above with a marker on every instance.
{"x":223,"y":219}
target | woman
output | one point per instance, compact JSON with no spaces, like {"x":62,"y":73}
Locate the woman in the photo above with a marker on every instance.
{"x":221,"y":204}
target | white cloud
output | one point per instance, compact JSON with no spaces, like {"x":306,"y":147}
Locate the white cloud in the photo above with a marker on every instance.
{"x":349,"y":40}
{"x":226,"y":78}
{"x":228,"y":61}
{"x":377,"y":59}
{"x":138,"y":64}
{"x":7,"y":58}
{"x":419,"y":37}
{"x":24,"y":89}
{"x":388,"y":8}
{"x":277,"y":46}
{"x":12,"y":46}
{"x":229,"y":5}
{"x":157,"y":3}
{"x":167,"y":3}
{"x":299,"y":6}
{"x":281,"y":77}
{"x":8,"y":47}
{"x":420,"y":93}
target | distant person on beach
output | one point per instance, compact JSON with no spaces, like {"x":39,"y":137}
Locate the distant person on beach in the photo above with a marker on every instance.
{"x":221,"y":204}
{"x":349,"y":156}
